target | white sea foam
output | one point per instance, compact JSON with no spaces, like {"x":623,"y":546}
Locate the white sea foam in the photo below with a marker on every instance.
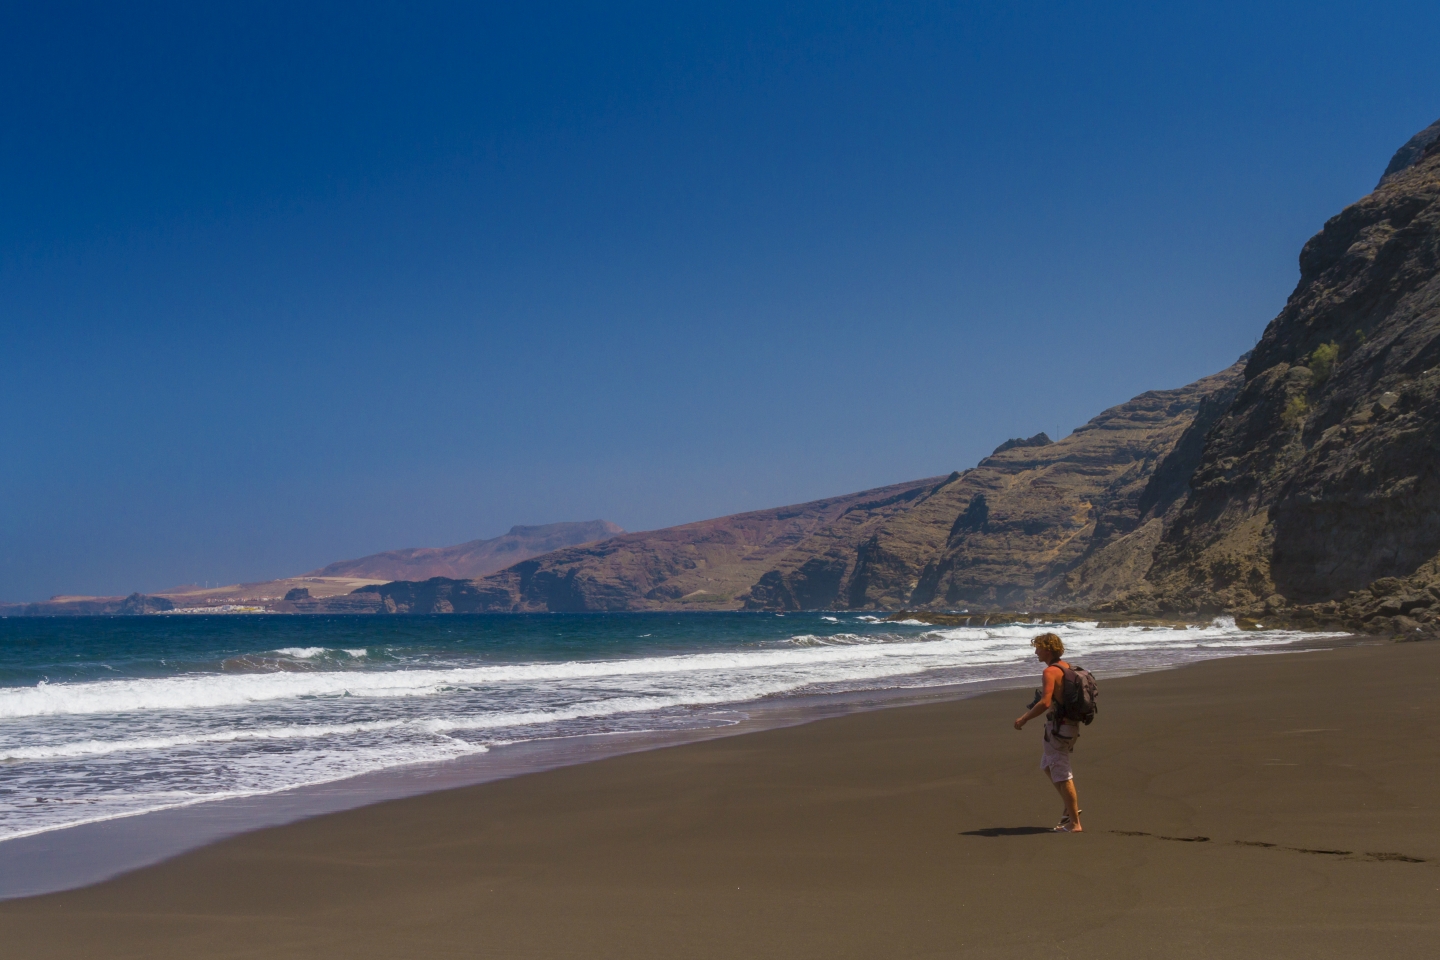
{"x":431,"y":726}
{"x":310,"y":653}
{"x":223,"y":690}
{"x":98,"y":749}
{"x":823,"y":659}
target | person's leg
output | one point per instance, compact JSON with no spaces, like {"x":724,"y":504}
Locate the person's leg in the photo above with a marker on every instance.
{"x":1064,"y":810}
{"x":1066,"y":789}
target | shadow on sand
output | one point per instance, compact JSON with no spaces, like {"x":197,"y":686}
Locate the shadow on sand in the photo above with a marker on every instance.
{"x":1005,"y":832}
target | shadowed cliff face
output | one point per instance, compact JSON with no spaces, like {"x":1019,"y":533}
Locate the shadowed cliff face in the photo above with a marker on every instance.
{"x":1322,"y":476}
{"x":135,"y":604}
{"x":1053,"y":515}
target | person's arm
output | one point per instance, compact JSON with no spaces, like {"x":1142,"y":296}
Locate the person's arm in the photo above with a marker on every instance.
{"x":1052,"y":680}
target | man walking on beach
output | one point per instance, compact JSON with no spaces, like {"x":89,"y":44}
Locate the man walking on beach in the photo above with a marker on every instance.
{"x":1060,"y":733}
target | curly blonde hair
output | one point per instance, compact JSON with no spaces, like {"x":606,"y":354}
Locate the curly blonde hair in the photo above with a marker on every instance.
{"x":1050,"y":643}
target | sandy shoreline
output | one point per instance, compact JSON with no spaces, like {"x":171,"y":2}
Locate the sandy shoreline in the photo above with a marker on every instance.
{"x":898,"y":833}
{"x":89,"y":853}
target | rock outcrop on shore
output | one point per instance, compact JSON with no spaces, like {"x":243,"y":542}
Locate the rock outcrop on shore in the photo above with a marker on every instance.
{"x":136,"y":603}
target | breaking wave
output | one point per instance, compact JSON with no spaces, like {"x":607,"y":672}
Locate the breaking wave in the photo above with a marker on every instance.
{"x":291,"y":715}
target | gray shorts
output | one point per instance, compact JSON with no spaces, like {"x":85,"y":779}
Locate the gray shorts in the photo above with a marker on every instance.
{"x":1055,"y":757}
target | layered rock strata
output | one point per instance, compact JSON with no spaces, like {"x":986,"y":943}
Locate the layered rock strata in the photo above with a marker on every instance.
{"x":1317,"y":493}
{"x":1009,"y":532}
{"x":710,"y":565}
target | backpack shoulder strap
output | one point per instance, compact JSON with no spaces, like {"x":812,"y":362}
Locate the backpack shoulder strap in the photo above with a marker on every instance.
{"x":1067,"y":679}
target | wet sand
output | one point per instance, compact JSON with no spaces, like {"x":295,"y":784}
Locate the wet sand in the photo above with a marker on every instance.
{"x":1274,"y":806}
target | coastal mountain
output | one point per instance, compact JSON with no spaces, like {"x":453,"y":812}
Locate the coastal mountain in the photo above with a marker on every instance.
{"x":1318,"y":490}
{"x":333,"y":588}
{"x":709,"y":565}
{"x":473,"y":559}
{"x":1303,"y":483}
{"x":288,"y":595}
{"x":1007,"y":532}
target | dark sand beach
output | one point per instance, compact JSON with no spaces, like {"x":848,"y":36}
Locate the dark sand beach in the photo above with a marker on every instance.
{"x":1272,"y":806}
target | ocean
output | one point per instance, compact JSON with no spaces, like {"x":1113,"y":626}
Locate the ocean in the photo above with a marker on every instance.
{"x":111,"y":717}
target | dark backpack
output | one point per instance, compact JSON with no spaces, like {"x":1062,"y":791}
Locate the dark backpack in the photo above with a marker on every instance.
{"x":1078,"y":691}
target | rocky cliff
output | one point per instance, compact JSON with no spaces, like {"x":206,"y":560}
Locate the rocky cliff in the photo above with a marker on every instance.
{"x":1317,"y":493}
{"x":710,"y":565}
{"x":1303,"y":483}
{"x":134,"y":604}
{"x":1008,"y":532}
{"x":1030,"y":525}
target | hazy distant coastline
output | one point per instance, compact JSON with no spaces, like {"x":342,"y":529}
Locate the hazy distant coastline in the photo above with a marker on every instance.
{"x":325,"y":589}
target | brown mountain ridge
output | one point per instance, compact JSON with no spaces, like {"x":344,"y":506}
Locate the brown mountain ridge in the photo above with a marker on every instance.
{"x":331,"y":589}
{"x":473,"y":559}
{"x":1007,"y":532}
{"x":1302,"y":483}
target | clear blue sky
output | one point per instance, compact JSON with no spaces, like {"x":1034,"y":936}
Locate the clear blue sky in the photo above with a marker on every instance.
{"x":283,"y":284}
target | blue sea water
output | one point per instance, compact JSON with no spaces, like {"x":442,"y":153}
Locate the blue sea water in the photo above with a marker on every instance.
{"x":111,"y":717}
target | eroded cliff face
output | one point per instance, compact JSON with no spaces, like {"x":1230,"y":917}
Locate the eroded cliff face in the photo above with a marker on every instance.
{"x":1324,"y":475}
{"x":710,"y":565}
{"x":1008,"y":532}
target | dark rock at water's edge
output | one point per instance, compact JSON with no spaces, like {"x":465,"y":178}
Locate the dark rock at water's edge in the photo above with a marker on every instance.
{"x":133,"y":605}
{"x":436,"y":595}
{"x":357,"y":602}
{"x":137,"y":603}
